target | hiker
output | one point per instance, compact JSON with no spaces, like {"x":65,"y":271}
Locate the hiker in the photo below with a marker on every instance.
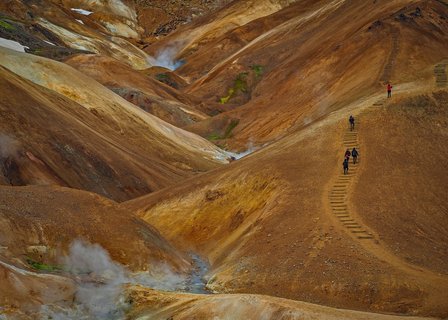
{"x":389,"y":90}
{"x":347,"y":154}
{"x":355,"y":155}
{"x":352,"y":122}
{"x":345,"y":165}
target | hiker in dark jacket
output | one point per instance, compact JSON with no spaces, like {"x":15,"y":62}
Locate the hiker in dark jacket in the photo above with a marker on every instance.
{"x":345,"y":165}
{"x":355,"y":155}
{"x":352,"y":122}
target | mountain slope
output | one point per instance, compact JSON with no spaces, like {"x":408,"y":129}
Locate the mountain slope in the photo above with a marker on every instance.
{"x":284,"y":231}
{"x":306,"y":69}
{"x":268,"y":233}
{"x":56,"y":242}
{"x":151,"y":95}
{"x":96,"y":144}
{"x":162,"y":306}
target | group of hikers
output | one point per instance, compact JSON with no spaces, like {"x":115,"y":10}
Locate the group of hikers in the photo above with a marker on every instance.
{"x":354,"y":153}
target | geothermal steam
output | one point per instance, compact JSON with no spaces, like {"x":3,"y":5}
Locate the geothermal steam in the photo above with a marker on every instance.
{"x":166,"y":58}
{"x":8,"y":146}
{"x":249,"y":150}
{"x":100,"y":283}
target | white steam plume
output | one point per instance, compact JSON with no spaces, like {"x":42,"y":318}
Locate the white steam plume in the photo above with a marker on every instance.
{"x":8,"y":146}
{"x":100,"y":284}
{"x":167,"y":58}
{"x":249,"y":150}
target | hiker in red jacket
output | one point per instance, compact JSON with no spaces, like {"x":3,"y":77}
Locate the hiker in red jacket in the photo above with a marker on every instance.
{"x":389,"y":90}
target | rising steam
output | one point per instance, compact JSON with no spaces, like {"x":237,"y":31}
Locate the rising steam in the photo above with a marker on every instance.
{"x":100,"y":282}
{"x":249,"y":150}
{"x":167,"y":58}
{"x":8,"y":146}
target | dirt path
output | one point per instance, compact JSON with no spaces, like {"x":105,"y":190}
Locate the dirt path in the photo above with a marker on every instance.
{"x":339,"y":191}
{"x":346,"y":218}
{"x":389,"y":67}
{"x":440,"y":74}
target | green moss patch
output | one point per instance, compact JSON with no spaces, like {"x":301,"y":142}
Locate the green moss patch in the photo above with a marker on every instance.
{"x":227,"y":133}
{"x":42,"y":266}
{"x":166,"y":79}
{"x":230,"y":128}
{"x":258,"y":70}
{"x":241,"y":82}
{"x":6,"y":25}
{"x":214,"y":136}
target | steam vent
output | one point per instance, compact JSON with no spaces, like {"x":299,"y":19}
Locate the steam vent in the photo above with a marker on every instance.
{"x":223,"y":159}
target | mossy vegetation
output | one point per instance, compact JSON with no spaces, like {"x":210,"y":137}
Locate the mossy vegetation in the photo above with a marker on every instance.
{"x":42,"y":266}
{"x":6,"y":25}
{"x":166,"y":79}
{"x":258,"y":70}
{"x":162,"y":76}
{"x":226,"y":99}
{"x":214,"y":136}
{"x":227,"y":133}
{"x":230,"y":127}
{"x":241,"y":83}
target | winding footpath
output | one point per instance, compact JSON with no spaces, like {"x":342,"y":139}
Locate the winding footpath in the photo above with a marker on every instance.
{"x":348,"y":220}
{"x":338,"y":196}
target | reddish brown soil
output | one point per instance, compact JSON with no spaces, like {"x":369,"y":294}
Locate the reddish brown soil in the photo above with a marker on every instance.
{"x":277,"y":233}
{"x":284,"y":221}
{"x":63,"y":143}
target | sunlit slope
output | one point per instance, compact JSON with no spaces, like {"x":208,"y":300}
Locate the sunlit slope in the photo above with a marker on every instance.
{"x":49,"y":219}
{"x":315,"y":57}
{"x":39,"y":224}
{"x":284,"y":222}
{"x":156,"y":305}
{"x":151,"y":95}
{"x":406,"y":162}
{"x":52,"y":29}
{"x":87,"y":137}
{"x":193,"y":36}
{"x":29,"y":290}
{"x":117,"y":17}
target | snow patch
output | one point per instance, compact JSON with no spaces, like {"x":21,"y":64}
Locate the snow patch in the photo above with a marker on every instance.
{"x":51,"y":43}
{"x":13,"y":45}
{"x":80,"y":21}
{"x":82,"y":11}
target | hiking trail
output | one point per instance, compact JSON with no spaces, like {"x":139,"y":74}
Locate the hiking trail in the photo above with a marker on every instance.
{"x":339,"y":193}
{"x":389,"y":67}
{"x":343,"y":214}
{"x":440,"y":73}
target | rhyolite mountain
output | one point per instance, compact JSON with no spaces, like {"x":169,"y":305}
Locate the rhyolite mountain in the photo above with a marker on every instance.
{"x":153,"y":150}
